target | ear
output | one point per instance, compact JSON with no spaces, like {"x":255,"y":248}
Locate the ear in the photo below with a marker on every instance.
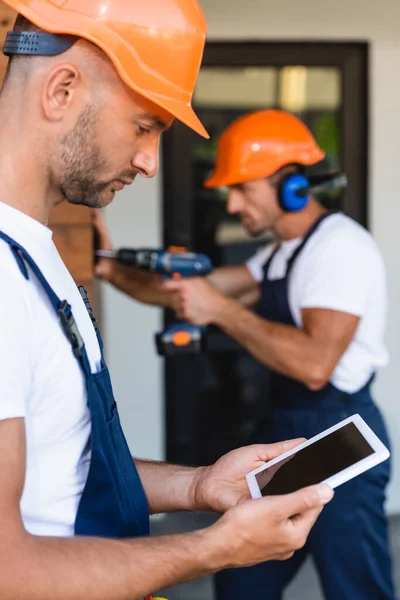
{"x":60,"y":90}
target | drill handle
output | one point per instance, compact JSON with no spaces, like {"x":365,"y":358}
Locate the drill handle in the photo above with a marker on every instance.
{"x":180,"y":338}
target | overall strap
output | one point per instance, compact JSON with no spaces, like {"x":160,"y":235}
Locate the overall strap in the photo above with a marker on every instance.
{"x":269,"y":261}
{"x":299,"y":248}
{"x":61,"y":307}
{"x":90,"y":311}
{"x":309,"y":233}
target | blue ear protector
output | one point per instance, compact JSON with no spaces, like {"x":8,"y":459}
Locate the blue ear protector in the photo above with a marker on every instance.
{"x":295,"y":189}
{"x":288,"y":192}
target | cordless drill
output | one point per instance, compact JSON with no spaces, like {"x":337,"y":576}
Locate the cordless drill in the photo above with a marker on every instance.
{"x":175,"y":263}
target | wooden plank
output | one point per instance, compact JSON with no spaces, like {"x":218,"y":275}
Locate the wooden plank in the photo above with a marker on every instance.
{"x":7,"y":18}
{"x":75,"y":243}
{"x":70,"y":214}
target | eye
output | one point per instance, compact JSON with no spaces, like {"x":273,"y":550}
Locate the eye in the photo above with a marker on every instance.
{"x":142,"y":130}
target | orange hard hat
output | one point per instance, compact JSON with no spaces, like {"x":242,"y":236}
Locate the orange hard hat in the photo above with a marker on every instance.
{"x":155,"y":45}
{"x":259,"y":144}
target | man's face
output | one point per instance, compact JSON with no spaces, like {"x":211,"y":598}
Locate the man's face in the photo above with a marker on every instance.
{"x":109,"y":145}
{"x":256,"y":203}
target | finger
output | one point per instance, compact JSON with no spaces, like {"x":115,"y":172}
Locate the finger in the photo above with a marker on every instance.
{"x":269,"y":451}
{"x":172,"y":286}
{"x":285,"y":556}
{"x":102,"y":269}
{"x":98,"y":269}
{"x":282,"y":556}
{"x":306,"y":499}
{"x":98,"y":220}
{"x":301,"y":526}
{"x":99,"y":223}
{"x":306,"y":519}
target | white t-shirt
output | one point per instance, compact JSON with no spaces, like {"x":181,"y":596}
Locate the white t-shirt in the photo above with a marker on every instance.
{"x":340,"y":268}
{"x":41,"y":379}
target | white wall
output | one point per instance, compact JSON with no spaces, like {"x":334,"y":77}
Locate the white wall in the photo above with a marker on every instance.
{"x":375,"y":21}
{"x":128,"y":327}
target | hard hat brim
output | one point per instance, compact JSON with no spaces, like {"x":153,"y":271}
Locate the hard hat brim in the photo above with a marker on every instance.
{"x":234,"y":176}
{"x":180,"y":111}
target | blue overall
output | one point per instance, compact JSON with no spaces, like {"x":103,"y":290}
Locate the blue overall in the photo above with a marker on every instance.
{"x":113,"y":503}
{"x":349,"y":543}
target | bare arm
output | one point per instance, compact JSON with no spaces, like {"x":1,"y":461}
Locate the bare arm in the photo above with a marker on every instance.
{"x":236,"y":282}
{"x":148,"y":288}
{"x":168,"y":487}
{"x":309,"y":354}
{"x":50,"y":568}
{"x":139,"y":285}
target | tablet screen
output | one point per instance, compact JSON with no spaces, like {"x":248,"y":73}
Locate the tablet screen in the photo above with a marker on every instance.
{"x":316,"y":462}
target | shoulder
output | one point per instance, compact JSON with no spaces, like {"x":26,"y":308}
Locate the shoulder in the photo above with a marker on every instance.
{"x":340,"y":227}
{"x":342,"y":239}
{"x":15,"y":297}
{"x":11,"y":277}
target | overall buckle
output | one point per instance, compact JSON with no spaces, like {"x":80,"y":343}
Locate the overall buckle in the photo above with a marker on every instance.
{"x":70,"y":328}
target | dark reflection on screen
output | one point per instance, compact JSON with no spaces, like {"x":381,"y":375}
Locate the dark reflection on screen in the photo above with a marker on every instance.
{"x":315,"y":463}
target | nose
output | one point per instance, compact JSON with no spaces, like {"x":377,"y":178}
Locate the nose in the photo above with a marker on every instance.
{"x":235,"y":201}
{"x":145,"y":160}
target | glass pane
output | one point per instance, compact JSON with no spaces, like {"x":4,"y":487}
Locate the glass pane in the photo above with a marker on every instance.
{"x":248,"y":88}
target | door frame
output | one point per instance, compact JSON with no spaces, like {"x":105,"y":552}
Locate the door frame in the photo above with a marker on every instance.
{"x":178,"y":193}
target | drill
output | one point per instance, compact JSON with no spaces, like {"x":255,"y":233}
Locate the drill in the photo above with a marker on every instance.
{"x":180,"y":337}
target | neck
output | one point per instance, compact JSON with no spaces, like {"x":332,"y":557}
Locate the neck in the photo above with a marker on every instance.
{"x":296,"y":225}
{"x":25,"y":181}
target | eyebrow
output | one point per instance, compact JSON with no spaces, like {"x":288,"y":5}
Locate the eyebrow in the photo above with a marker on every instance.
{"x":154,"y":121}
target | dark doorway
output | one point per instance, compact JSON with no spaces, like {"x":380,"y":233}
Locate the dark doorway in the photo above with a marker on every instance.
{"x":213,"y":401}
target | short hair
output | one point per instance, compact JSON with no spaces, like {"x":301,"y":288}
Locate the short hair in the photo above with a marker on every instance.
{"x":21,"y":24}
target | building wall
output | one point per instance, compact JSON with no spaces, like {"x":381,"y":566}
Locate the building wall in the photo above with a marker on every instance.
{"x":128,"y":327}
{"x":135,"y":217}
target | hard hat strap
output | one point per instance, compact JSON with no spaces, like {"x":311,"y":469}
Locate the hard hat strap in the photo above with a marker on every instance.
{"x":41,"y":44}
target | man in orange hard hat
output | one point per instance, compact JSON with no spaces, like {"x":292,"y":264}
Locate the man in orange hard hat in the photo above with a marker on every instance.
{"x":319,"y":293}
{"x":89,"y":88}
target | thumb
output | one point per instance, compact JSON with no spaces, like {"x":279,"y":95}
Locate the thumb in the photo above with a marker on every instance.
{"x":314,"y":497}
{"x":267,"y":452}
{"x":99,"y":223}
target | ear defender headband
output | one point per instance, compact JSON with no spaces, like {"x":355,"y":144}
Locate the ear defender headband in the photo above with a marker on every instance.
{"x":295,"y":189}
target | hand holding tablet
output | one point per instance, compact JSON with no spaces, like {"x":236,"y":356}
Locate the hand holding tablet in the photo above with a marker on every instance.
{"x":332,"y":457}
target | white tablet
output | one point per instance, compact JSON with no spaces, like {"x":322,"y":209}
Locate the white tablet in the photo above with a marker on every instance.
{"x":333,"y":457}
